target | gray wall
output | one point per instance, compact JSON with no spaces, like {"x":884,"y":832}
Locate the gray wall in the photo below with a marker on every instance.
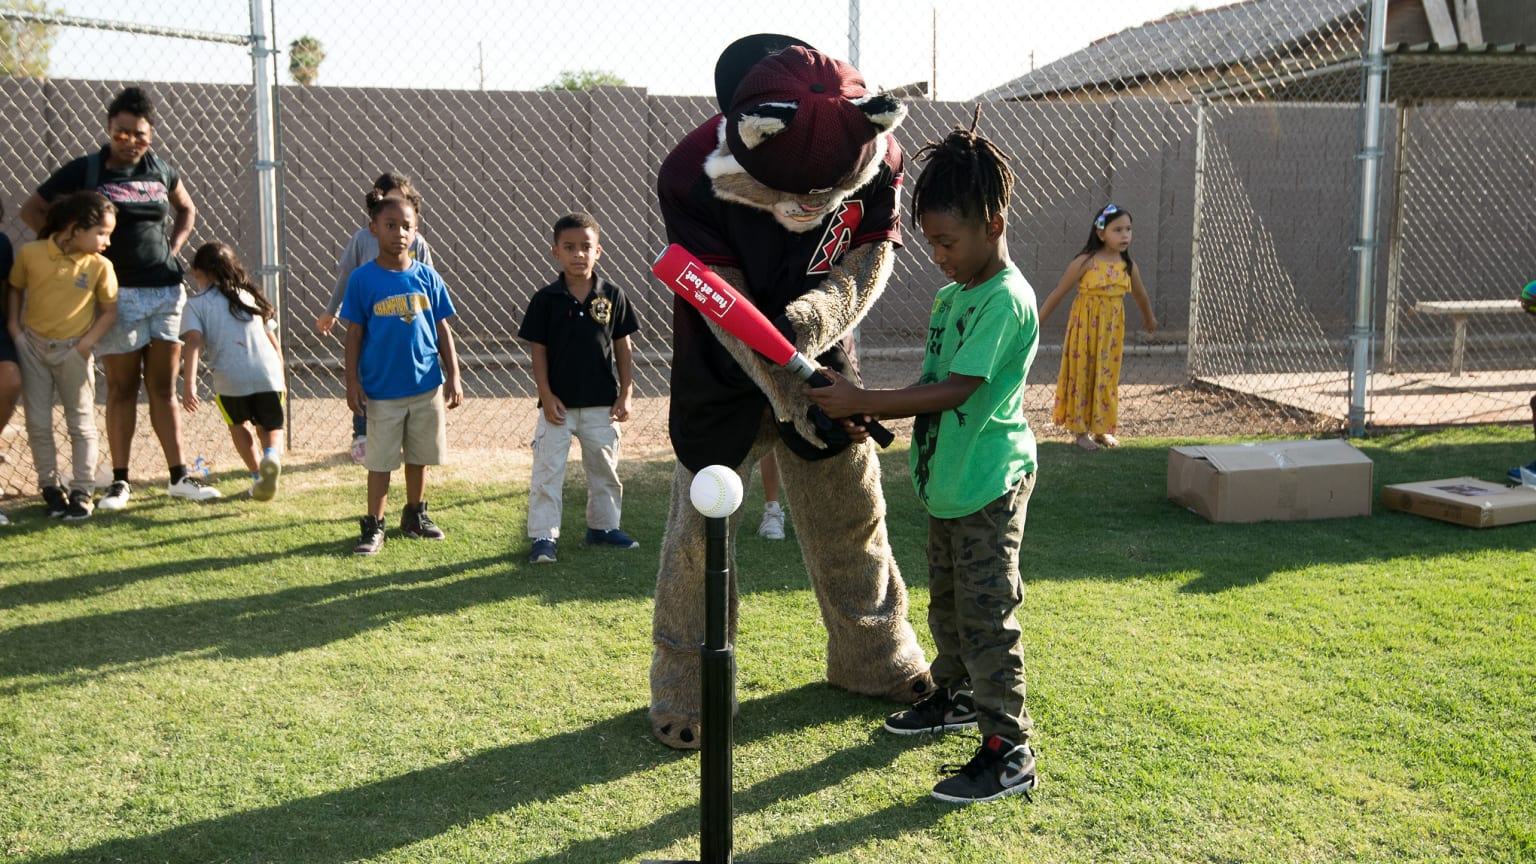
{"x":497,"y":167}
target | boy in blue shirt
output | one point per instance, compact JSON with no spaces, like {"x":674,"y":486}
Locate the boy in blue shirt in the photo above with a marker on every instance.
{"x":401,"y":365}
{"x":973,"y":463}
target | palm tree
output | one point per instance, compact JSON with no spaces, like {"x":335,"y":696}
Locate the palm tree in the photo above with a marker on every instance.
{"x":305,"y":55}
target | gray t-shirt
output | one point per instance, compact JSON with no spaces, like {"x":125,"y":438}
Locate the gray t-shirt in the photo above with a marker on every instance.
{"x":237,"y":349}
{"x":362,"y":248}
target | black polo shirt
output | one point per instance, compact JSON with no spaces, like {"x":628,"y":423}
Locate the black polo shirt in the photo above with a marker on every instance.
{"x":716,"y":409}
{"x":578,"y":338}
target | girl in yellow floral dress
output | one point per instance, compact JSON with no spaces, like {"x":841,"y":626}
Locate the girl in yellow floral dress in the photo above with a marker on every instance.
{"x":1088,"y":388}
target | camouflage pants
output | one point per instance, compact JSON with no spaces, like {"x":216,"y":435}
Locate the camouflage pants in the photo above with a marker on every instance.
{"x":975,"y":589}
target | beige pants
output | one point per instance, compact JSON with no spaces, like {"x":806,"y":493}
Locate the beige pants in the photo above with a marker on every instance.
{"x":599,"y":437}
{"x":53,"y":372}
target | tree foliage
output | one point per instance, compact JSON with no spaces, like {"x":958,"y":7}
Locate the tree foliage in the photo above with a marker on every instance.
{"x":305,"y":54}
{"x":585,"y":79}
{"x":25,"y":45}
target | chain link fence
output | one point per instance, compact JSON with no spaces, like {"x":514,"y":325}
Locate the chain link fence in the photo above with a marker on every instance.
{"x":1231,"y":134}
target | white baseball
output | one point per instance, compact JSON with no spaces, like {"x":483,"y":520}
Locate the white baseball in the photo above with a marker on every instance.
{"x":716,"y":491}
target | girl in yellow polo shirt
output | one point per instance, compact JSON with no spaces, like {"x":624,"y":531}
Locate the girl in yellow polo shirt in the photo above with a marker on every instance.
{"x":63,"y":300}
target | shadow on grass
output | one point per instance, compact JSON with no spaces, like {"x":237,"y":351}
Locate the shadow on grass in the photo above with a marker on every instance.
{"x":277,"y":622}
{"x":372,"y":819}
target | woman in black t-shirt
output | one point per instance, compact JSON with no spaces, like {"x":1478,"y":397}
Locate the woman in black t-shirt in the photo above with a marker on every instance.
{"x":144,"y":346}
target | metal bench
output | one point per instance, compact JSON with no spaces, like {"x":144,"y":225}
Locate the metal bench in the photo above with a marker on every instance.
{"x":1459,"y":310}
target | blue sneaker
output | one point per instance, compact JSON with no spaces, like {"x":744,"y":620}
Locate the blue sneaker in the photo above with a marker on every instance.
{"x":1514,"y":473}
{"x":543,"y":551}
{"x":611,"y":537}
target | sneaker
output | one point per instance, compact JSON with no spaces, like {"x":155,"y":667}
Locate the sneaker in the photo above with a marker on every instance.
{"x":416,"y":524}
{"x":944,"y":711}
{"x":192,"y":489}
{"x":359,"y":449}
{"x":611,"y":537}
{"x":80,"y":506}
{"x":116,"y":497}
{"x":998,"y":769}
{"x":1514,"y":473}
{"x":543,"y":551}
{"x":372,"y":539}
{"x":265,"y":487}
{"x":55,"y":502}
{"x":772,"y":526}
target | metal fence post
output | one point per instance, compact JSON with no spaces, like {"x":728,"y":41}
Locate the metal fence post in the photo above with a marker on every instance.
{"x":1370,"y":190}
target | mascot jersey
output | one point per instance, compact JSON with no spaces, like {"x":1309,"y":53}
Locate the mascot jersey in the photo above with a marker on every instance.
{"x":716,"y":409}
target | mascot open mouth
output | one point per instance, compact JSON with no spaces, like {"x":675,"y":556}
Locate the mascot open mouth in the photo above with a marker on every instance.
{"x":803,"y":212}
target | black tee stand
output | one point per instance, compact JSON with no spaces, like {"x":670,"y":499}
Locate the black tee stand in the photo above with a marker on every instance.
{"x":717,"y":673}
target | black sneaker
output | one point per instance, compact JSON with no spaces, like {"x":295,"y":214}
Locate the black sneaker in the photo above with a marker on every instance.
{"x":944,"y":711}
{"x":80,"y":506}
{"x":415,"y":523}
{"x":999,"y":768}
{"x":54,"y":501}
{"x":372,"y":536}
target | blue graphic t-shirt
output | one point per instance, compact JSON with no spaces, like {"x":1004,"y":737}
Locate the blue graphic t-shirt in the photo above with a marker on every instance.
{"x":399,"y":311}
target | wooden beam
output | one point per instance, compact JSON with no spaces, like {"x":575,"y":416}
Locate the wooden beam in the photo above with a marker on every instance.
{"x":1468,"y":22}
{"x":1441,"y":29}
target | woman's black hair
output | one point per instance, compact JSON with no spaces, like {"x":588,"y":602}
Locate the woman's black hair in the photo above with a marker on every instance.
{"x":133,"y":101}
{"x":85,"y":209}
{"x":965,"y":174}
{"x":227,"y":274}
{"x":1101,"y":220}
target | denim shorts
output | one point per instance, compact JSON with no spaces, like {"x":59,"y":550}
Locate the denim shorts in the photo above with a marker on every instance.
{"x":144,"y":314}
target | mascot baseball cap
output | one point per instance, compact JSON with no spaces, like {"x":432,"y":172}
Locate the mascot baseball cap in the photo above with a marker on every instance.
{"x":827,"y":140}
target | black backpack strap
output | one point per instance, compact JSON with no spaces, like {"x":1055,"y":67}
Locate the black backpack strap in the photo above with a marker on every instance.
{"x":92,"y":170}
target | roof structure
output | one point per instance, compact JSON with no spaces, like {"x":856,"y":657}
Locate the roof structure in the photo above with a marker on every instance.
{"x":1246,"y":33}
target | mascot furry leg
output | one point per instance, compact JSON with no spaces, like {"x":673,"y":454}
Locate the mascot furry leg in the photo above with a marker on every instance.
{"x":871,"y":648}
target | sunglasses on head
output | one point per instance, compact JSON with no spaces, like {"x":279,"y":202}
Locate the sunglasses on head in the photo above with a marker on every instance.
{"x":1103,"y":217}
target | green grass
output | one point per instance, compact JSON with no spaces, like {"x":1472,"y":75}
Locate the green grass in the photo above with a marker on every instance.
{"x":228,"y":684}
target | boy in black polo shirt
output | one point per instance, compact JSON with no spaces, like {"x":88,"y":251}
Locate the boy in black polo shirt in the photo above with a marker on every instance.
{"x":578,"y":328}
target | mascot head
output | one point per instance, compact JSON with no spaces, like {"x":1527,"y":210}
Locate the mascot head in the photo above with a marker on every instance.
{"x":799,"y":130}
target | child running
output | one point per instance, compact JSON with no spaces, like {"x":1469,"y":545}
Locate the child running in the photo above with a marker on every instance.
{"x":1088,"y":388}
{"x":578,"y":330}
{"x":361,"y":249}
{"x":401,"y":368}
{"x":230,"y":323}
{"x":63,"y":300}
{"x":973,"y":462}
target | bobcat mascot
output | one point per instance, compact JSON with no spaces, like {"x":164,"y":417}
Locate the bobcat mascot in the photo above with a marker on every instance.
{"x":792,"y":194}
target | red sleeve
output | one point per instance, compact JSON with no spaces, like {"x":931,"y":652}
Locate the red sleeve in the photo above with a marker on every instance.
{"x":882,"y":201}
{"x":688,"y":209}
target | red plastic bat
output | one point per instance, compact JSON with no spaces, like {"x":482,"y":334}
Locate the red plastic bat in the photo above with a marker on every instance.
{"x":692,"y":280}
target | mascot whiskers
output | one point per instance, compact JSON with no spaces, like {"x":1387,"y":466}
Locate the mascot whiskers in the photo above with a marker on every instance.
{"x":792,"y":194}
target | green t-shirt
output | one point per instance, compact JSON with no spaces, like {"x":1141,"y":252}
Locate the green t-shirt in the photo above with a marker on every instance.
{"x":967,"y":457}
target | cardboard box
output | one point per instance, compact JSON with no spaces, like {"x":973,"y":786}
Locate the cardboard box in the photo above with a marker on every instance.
{"x":1272,"y":480}
{"x":1464,"y":501}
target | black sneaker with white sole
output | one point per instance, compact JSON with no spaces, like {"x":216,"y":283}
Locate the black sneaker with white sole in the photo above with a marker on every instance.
{"x":1000,"y":768}
{"x":945,"y":711}
{"x":80,"y":506}
{"x":371,"y":537}
{"x":55,"y":501}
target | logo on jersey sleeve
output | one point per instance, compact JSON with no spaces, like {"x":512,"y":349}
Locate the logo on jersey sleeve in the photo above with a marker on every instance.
{"x":402,"y":306}
{"x":837,"y":238}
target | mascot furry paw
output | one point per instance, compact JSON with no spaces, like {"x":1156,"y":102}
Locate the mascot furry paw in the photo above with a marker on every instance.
{"x":792,"y":194}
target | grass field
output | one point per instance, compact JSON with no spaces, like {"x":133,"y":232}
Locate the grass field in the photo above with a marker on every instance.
{"x":226,"y":683}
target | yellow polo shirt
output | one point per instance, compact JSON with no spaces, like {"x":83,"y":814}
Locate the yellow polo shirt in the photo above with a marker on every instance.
{"x":60,"y":291}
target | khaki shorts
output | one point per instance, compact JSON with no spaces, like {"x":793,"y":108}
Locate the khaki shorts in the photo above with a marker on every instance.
{"x":412,"y":426}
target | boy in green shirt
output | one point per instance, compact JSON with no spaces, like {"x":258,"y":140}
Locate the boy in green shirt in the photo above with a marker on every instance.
{"x":973,"y":463}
